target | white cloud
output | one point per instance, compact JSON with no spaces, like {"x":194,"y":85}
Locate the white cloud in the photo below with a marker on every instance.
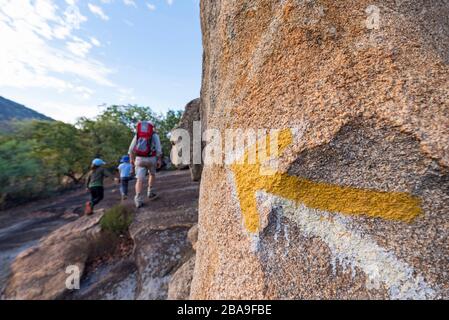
{"x":98,"y":11}
{"x":73,"y":16}
{"x":86,"y":93}
{"x":170,"y":2}
{"x":95,"y":41}
{"x":131,"y":3}
{"x":150,"y":6}
{"x":67,"y":112}
{"x":44,"y":50}
{"x":31,"y":56}
{"x":79,"y":47}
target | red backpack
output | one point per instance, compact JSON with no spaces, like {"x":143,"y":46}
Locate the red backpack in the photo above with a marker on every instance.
{"x":145,"y":132}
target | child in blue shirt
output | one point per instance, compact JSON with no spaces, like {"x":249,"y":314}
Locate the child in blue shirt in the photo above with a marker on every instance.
{"x":125,"y":169}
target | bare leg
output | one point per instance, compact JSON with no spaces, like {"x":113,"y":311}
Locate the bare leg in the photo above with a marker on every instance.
{"x":138,"y":199}
{"x":151,"y":194}
{"x":139,"y":186}
{"x":151,"y":180}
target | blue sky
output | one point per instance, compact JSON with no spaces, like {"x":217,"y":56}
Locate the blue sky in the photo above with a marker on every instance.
{"x":64,"y":58}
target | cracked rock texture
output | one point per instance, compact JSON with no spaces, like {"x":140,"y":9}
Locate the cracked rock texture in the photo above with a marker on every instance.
{"x":373,"y":96}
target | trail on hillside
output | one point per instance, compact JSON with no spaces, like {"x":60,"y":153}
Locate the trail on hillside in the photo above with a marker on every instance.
{"x":22,"y":227}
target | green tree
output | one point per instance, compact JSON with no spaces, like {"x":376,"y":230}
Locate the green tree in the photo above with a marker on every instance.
{"x":105,"y":138}
{"x":18,"y":169}
{"x":129,"y":115}
{"x":60,"y":146}
{"x":165,"y":125}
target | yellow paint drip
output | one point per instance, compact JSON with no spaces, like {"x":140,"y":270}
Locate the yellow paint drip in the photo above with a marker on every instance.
{"x":323,"y":196}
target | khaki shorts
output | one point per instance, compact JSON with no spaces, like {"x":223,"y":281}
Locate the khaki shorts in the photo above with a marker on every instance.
{"x":144,"y":165}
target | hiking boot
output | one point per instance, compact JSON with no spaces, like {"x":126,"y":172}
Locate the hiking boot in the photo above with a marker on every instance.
{"x":88,"y":209}
{"x":152,"y":196}
{"x":124,"y":198}
{"x":138,"y":201}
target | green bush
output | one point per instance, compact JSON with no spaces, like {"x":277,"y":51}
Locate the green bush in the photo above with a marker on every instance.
{"x":102,"y":245}
{"x":117,"y":220}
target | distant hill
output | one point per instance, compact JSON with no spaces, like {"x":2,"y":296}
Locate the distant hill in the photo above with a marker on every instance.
{"x":10,"y":111}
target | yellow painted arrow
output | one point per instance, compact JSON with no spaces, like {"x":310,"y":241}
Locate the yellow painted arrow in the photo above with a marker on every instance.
{"x":317,"y":195}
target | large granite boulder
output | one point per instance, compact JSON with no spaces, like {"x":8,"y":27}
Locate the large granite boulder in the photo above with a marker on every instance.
{"x":180,"y":283}
{"x":358,"y":205}
{"x":159,"y":254}
{"x":192,"y":113}
{"x":159,"y":232}
{"x":157,"y":263}
{"x":179,"y":286}
{"x":40,"y":273}
{"x":113,"y":281}
{"x":192,"y":235}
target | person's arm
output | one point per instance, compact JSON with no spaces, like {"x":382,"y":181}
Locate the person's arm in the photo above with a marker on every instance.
{"x":89,"y":175}
{"x":158,"y":147}
{"x":131,"y":150}
{"x":118,"y":174}
{"x":106,"y":173}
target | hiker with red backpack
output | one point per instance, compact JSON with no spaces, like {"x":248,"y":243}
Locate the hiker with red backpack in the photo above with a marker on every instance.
{"x":146,"y":155}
